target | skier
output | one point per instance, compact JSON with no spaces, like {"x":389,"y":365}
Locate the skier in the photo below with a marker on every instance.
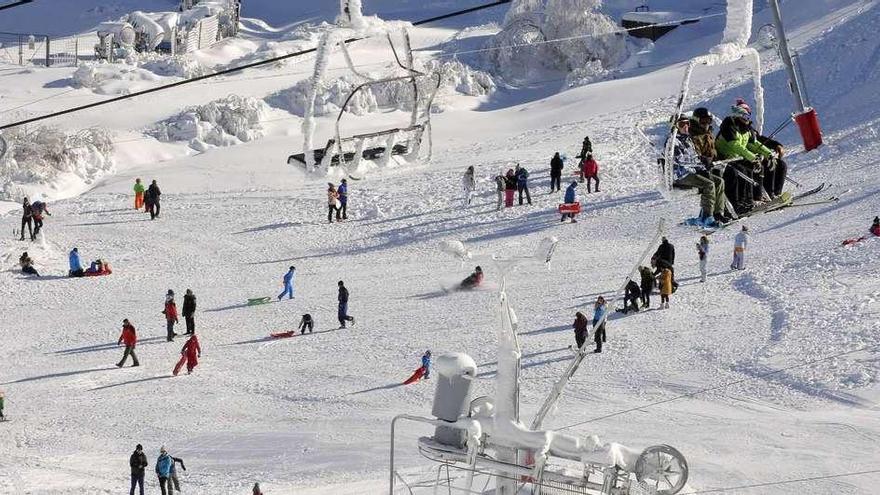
{"x":129,"y":338}
{"x":740,"y":242}
{"x":137,"y":462}
{"x":522,"y":183}
{"x":647,"y":285}
{"x":569,"y":198}
{"x":138,"y":194}
{"x":468,"y":185}
{"x":153,"y":194}
{"x":599,"y":310}
{"x":690,"y":172}
{"x":775,"y":169}
{"x":174,"y":480}
{"x":632,"y":295}
{"x":703,"y":252}
{"x":665,"y":287}
{"x":703,"y":135}
{"x":27,"y":264}
{"x":288,"y":281}
{"x":333,"y":203}
{"x":27,"y":218}
{"x":510,"y":184}
{"x":192,"y":351}
{"x":189,"y":311}
{"x":590,"y":171}
{"x":342,"y":193}
{"x":163,"y":471}
{"x":875,"y":227}
{"x":500,"y":184}
{"x":39,"y":209}
{"x":426,"y":364}
{"x":735,"y":140}
{"x":586,"y":148}
{"x":342,"y":313}
{"x":76,"y":268}
{"x":556,"y":166}
{"x":580,"y":329}
{"x":473,"y":280}
{"x":306,"y":323}
{"x":170,"y":313}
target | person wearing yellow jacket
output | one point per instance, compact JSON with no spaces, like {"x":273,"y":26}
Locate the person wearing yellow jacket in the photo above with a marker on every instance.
{"x":138,"y":194}
{"x":735,"y":140}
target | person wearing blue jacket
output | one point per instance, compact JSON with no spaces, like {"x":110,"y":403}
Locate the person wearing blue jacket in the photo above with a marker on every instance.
{"x":570,"y":197}
{"x":163,"y":471}
{"x":522,"y":183}
{"x":76,"y":269}
{"x":599,"y":310}
{"x":426,"y":364}
{"x":342,"y":191}
{"x":288,"y":283}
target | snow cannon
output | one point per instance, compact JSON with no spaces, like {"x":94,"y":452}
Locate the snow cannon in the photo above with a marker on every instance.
{"x":452,"y":396}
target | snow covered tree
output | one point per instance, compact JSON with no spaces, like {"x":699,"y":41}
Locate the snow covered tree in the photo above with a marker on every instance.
{"x":581,"y":18}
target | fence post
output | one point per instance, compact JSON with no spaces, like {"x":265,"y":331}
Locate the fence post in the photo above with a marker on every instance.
{"x":200,"y":36}
{"x":47,"y":52}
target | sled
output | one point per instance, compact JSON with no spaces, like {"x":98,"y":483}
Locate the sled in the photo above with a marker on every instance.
{"x":854,"y":240}
{"x":570,"y":208}
{"x":416,"y":376}
{"x":281,"y":335}
{"x":96,"y":274}
{"x":258,"y":300}
{"x":179,"y":365}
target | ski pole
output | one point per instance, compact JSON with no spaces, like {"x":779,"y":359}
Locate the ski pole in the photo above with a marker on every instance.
{"x":796,"y":183}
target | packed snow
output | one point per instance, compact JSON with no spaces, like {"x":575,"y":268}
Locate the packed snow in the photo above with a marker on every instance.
{"x":766,"y":375}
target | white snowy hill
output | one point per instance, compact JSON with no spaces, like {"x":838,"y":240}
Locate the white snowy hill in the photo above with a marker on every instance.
{"x":311,"y":414}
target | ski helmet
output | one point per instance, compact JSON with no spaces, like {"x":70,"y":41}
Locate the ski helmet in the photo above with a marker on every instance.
{"x":702,"y":113}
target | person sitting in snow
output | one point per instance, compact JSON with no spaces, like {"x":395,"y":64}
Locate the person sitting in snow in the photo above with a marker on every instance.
{"x":27,"y":264}
{"x":688,"y":171}
{"x":473,"y":280}
{"x":631,"y":297}
{"x":76,"y":268}
{"x":426,"y":364}
{"x":875,"y":227}
{"x":99,"y":267}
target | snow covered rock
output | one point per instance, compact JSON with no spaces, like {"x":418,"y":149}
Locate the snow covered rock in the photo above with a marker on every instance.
{"x":225,"y":122}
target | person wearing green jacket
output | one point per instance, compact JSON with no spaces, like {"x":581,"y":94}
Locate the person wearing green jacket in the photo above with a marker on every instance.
{"x":736,"y":141}
{"x":138,"y":194}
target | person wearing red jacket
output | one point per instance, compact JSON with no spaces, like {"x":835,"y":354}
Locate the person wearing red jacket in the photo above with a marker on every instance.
{"x":170,"y":313}
{"x":192,"y":351}
{"x":590,"y":171}
{"x":129,"y":338}
{"x":875,"y":227}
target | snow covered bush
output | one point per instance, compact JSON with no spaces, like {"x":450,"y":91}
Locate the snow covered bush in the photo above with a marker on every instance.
{"x":223,"y":122}
{"x":586,"y":37}
{"x":112,"y":78}
{"x":177,"y":66}
{"x":41,"y":155}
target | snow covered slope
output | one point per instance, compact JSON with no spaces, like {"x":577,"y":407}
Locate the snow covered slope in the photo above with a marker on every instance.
{"x":311,"y":414}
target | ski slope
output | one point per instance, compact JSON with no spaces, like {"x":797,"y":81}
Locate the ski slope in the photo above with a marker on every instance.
{"x":311,"y":414}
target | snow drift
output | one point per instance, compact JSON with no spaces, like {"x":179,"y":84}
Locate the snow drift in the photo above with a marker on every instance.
{"x":225,"y":122}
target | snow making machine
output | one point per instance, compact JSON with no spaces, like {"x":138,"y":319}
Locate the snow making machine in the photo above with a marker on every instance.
{"x":481,"y":446}
{"x":349,"y":151}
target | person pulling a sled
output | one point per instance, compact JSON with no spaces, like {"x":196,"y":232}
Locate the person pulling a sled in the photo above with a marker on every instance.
{"x":473,"y":280}
{"x":306,"y":323}
{"x":570,"y":198}
{"x":192,"y":351}
{"x":288,"y":281}
{"x":426,"y":364}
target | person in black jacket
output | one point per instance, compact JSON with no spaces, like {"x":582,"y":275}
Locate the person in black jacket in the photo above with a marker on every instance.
{"x":664,"y":257}
{"x":580,"y":329}
{"x":647,"y":286}
{"x":586,"y":148}
{"x":137,"y":461}
{"x":189,"y":310}
{"x":775,"y":169}
{"x":343,"y":306}
{"x":306,"y":323}
{"x":631,"y":297}
{"x":556,"y":166}
{"x":27,"y":219}
{"x":153,"y":194}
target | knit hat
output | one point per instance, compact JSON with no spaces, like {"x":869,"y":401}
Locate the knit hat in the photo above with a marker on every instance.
{"x":742,"y":103}
{"x":740,"y":111}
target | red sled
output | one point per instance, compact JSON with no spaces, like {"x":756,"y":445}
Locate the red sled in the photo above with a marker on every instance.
{"x":854,"y":240}
{"x":416,"y":376}
{"x":96,"y":274}
{"x":179,"y":365}
{"x":570,"y":208}
{"x":281,"y":335}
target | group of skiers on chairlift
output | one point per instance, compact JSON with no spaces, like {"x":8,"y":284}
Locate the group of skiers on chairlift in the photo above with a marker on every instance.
{"x":736,"y":166}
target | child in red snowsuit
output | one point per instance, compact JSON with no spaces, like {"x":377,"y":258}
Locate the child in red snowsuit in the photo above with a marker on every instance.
{"x":170,"y":313}
{"x":192,"y":351}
